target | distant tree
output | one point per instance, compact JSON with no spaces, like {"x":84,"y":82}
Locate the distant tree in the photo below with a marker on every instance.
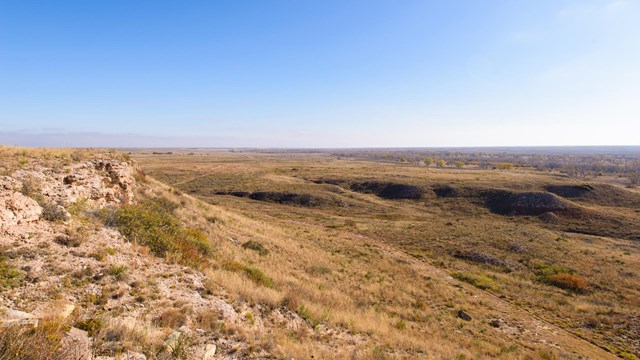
{"x":428,"y":161}
{"x":634,"y":177}
{"x":505,"y":166}
{"x":459,"y":164}
{"x":441,"y":163}
{"x":485,"y":165}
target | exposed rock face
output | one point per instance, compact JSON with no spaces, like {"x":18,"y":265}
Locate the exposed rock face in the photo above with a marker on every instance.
{"x":392,"y":191}
{"x":10,"y":317}
{"x":16,"y":208}
{"x":72,"y":260}
{"x":527,"y":203}
{"x":101,"y":182}
{"x":600,"y":194}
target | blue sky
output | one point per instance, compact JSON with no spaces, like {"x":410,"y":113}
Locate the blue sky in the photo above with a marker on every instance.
{"x":319,"y":73}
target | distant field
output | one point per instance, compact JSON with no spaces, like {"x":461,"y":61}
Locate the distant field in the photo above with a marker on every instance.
{"x":515,"y":242}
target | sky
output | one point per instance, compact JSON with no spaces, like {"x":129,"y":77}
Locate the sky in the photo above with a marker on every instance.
{"x":325,"y":73}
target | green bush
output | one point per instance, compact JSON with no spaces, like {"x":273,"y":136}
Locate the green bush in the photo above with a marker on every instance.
{"x":119,"y":272}
{"x":90,"y":325}
{"x":560,"y":276}
{"x":152,"y":223}
{"x":258,"y":276}
{"x":478,"y":280}
{"x":254,"y":274}
{"x":9,"y":276}
{"x":544,"y":271}
{"x":256,"y":246}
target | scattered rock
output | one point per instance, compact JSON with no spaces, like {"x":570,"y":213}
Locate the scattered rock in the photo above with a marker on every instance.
{"x":464,"y":315}
{"x":10,"y":317}
{"x":209,"y":352}
{"x":496,"y":323}
{"x":132,"y":355}
{"x":76,"y":345}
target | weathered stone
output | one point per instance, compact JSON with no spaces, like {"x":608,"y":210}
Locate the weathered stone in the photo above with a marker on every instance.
{"x":76,"y":345}
{"x":464,"y":315}
{"x":209,"y":352}
{"x":16,"y":208}
{"x":9,"y":317}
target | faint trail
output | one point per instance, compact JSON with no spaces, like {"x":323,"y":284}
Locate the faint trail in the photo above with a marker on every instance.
{"x":196,"y":177}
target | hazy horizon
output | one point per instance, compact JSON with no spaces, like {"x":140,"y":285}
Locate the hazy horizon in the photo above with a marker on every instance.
{"x":329,"y":74}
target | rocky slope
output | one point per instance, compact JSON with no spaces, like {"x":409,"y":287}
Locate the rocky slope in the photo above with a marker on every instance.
{"x":113,"y":298}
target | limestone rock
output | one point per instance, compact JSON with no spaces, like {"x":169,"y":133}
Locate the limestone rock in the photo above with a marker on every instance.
{"x":209,"y":352}
{"x":10,"y":317}
{"x":16,"y":208}
{"x":76,"y":345}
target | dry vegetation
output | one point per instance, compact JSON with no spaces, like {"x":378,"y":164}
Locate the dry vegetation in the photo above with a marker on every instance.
{"x":396,"y":270}
{"x":387,"y":261}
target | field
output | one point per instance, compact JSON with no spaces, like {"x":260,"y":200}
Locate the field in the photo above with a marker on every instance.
{"x":415,"y":261}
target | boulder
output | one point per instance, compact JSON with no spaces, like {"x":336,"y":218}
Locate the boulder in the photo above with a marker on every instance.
{"x":10,"y":317}
{"x":464,"y":315}
{"x":209,"y":352}
{"x":76,"y":345}
{"x":16,"y":208}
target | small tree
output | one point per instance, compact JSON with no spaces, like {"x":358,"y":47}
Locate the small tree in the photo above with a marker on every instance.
{"x":441,"y":163}
{"x":428,"y":161}
{"x":485,"y":165}
{"x":459,"y":164}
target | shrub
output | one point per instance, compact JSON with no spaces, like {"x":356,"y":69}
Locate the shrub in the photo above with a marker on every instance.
{"x":39,"y":343}
{"x":478,"y":280}
{"x":400,"y":324}
{"x":172,"y":318}
{"x":119,"y":272}
{"x":254,"y":274}
{"x":152,"y":223}
{"x":258,"y":276}
{"x":52,"y":211}
{"x":568,"y":282}
{"x":544,"y":271}
{"x":305,"y":313}
{"x":32,"y":188}
{"x":256,"y":246}
{"x":9,"y":276}
{"x":72,"y":237}
{"x":90,"y":325}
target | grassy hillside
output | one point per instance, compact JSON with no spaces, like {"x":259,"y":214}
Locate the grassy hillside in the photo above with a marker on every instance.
{"x":400,"y":273}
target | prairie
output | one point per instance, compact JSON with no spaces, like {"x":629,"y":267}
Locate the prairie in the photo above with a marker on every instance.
{"x":422,"y":261}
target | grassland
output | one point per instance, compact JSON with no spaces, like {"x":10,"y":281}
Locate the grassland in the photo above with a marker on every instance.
{"x":393,"y":254}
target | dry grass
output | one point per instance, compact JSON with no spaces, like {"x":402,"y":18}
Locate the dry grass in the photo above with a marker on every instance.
{"x":371,"y":264}
{"x":13,"y":158}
